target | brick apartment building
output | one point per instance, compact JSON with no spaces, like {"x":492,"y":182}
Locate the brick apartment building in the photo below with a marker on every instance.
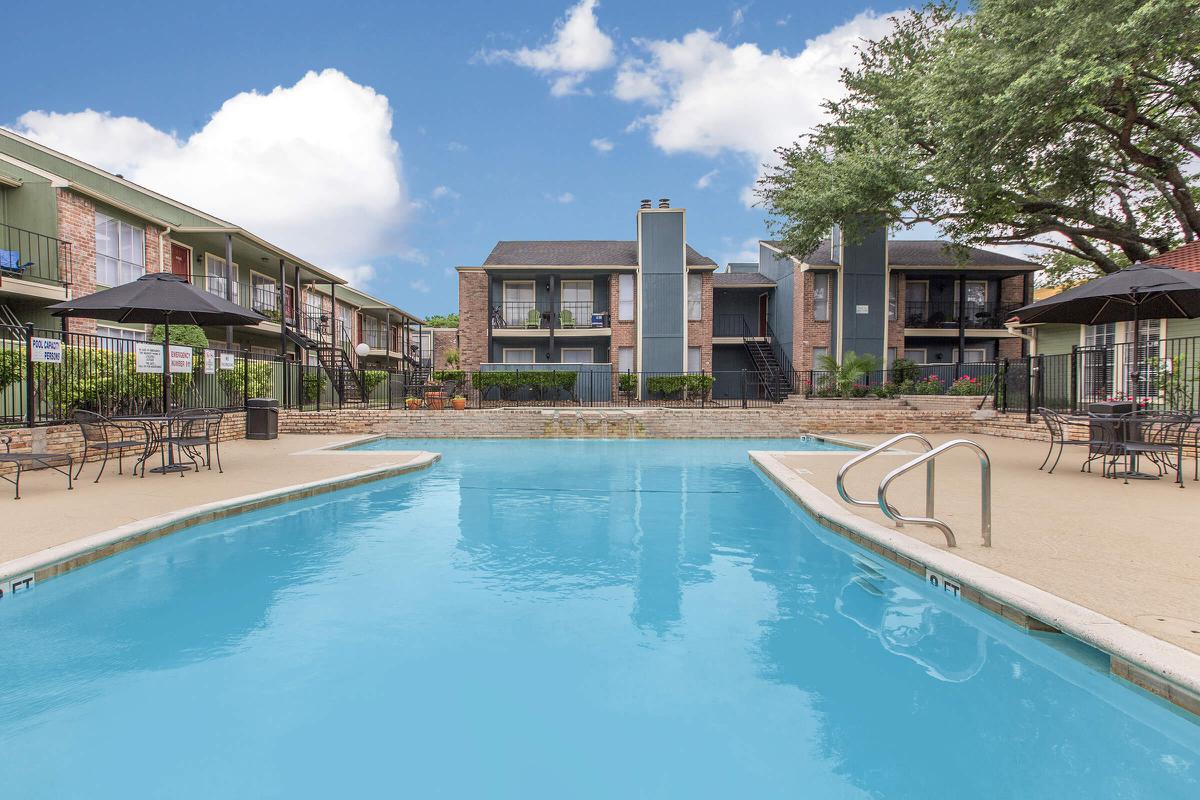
{"x":68,"y":229}
{"x":653,"y":305}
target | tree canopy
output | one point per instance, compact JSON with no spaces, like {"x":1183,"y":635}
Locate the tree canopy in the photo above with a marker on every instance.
{"x":1069,"y":125}
{"x":442,"y":320}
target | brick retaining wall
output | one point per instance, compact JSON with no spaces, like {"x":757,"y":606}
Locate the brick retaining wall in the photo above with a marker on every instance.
{"x":67,"y":439}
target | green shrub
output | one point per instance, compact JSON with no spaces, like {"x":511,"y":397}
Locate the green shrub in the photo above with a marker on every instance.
{"x":259,"y":380}
{"x":966,"y":386}
{"x":931,"y":385}
{"x":627,"y":382}
{"x":886,"y":391}
{"x":904,"y":369}
{"x":676,"y":387}
{"x":371,"y":379}
{"x":190,"y":335}
{"x":538,"y":381}
{"x":12,"y":366}
{"x":314,"y":384}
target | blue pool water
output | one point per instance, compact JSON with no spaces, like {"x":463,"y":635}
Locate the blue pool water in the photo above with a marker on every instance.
{"x":551,"y":619}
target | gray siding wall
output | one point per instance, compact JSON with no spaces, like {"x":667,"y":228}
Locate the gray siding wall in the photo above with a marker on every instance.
{"x":662,"y":295}
{"x":779,"y":307}
{"x":737,"y":302}
{"x":864,"y":274}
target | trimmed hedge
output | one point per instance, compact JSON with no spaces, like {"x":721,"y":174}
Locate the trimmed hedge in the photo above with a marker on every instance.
{"x":538,"y":381}
{"x":676,"y":385}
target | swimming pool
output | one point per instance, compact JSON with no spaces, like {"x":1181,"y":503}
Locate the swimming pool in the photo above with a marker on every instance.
{"x":552,"y":619}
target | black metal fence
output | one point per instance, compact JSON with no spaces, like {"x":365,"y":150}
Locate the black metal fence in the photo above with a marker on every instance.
{"x":46,"y":375}
{"x":1165,"y":375}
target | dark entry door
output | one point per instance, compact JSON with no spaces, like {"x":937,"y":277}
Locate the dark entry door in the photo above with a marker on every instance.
{"x":181,"y":262}
{"x":762,"y":314}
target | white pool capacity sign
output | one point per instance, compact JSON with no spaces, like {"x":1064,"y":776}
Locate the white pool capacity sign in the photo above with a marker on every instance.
{"x":46,"y":351}
{"x":210,"y":362}
{"x":226,"y":360}
{"x":149,"y":357}
{"x":181,"y":358}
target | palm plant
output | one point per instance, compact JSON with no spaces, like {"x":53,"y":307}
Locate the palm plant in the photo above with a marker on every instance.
{"x":847,"y":373}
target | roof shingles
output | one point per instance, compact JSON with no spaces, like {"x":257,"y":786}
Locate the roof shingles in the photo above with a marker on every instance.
{"x":924,"y":253}
{"x":576,"y":253}
{"x":1186,"y":257}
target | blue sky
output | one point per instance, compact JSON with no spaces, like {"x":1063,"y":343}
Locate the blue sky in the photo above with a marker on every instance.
{"x":507,"y":120}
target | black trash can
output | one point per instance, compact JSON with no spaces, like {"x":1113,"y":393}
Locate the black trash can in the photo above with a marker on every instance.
{"x":262,"y":418}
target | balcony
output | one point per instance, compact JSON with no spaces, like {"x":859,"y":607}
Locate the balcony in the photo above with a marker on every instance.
{"x":944,"y":314}
{"x":34,"y":257}
{"x":564,"y":316}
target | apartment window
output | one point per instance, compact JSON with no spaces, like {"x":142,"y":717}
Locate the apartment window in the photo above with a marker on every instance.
{"x":891,"y":357}
{"x":217,"y":277}
{"x":916,"y":355}
{"x":693,"y":359}
{"x":975,"y":355}
{"x":577,"y":355}
{"x":893,"y":297}
{"x":694,"y":306}
{"x":519,"y":306}
{"x":575,"y":308}
{"x":625,"y":297}
{"x":625,"y":359}
{"x":120,"y":251}
{"x":518,"y":355}
{"x":266,"y":296}
{"x":346,"y":320}
{"x":977,"y":293}
{"x":821,"y":283}
{"x":818,"y":354}
{"x":1149,"y":350}
{"x":124,"y":334}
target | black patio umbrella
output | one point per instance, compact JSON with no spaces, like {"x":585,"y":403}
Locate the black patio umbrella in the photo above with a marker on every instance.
{"x":159,"y":298}
{"x":1138,"y":292}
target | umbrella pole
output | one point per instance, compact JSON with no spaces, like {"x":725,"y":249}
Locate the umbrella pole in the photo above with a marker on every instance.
{"x":166,"y":367}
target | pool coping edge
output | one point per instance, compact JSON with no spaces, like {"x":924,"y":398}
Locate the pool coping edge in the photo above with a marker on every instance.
{"x":62,"y":558}
{"x":1156,"y":665}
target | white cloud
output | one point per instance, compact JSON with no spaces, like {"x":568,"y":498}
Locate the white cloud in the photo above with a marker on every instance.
{"x":746,"y":250}
{"x":564,"y":198}
{"x":578,"y":48}
{"x":419,"y":286}
{"x":444,"y":192}
{"x":312,"y":167}
{"x":456,"y":147}
{"x":709,"y":97}
{"x":737,"y":17}
{"x":602,"y":145}
{"x":705,"y":180}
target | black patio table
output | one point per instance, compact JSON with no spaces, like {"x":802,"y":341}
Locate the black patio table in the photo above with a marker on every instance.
{"x":158,"y":435}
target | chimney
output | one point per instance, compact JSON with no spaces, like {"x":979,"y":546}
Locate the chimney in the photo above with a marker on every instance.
{"x":664,"y":202}
{"x":646,"y":202}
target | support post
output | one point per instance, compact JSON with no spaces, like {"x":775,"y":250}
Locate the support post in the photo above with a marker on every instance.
{"x":30,"y":403}
{"x":962,"y":327}
{"x":1029,"y":389}
{"x":743,"y":388}
{"x":245,"y":379}
{"x":1074,"y":378}
{"x":229,"y":285}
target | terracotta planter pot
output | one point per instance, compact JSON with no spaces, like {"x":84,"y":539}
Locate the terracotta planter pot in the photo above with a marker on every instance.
{"x":413,"y":404}
{"x":459,"y":403}
{"x":435,"y":400}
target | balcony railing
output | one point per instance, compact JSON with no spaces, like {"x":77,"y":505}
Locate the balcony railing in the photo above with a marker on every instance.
{"x":944,"y":314}
{"x":530,"y":315}
{"x":34,"y":256}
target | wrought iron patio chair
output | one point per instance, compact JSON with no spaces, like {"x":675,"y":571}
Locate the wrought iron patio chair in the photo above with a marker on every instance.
{"x":197,"y":428}
{"x":1062,"y":435}
{"x":104,"y":435}
{"x":23,"y":461}
{"x":1157,"y":438}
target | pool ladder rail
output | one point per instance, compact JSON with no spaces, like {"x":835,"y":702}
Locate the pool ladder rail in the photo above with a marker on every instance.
{"x":927,"y":458}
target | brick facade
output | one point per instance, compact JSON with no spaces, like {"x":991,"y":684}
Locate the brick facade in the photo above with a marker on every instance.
{"x":699,"y":332}
{"x":1012,"y":293}
{"x":444,"y":340}
{"x":809,"y":332}
{"x":895,"y":327}
{"x":624,"y":333}
{"x":473,"y":313}
{"x":77,"y":225}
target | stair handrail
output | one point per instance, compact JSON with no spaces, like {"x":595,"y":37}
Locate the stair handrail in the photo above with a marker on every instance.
{"x":879,"y":448}
{"x":985,"y":481}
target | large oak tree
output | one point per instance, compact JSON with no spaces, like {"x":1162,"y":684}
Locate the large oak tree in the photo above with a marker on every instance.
{"x":1069,"y":125}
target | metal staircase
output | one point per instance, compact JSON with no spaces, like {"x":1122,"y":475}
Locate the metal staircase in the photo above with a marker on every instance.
{"x":777,"y":381}
{"x":8,"y":317}
{"x":330,"y":342}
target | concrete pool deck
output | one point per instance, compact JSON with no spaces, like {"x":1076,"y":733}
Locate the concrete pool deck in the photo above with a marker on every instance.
{"x":1130,"y":552}
{"x":49,"y":516}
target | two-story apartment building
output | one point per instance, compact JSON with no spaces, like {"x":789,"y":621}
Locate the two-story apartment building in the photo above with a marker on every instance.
{"x":641,"y":305}
{"x":924,"y":300}
{"x":68,"y":229}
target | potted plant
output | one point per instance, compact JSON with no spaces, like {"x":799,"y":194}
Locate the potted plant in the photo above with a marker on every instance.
{"x":412,"y":403}
{"x":435,"y":400}
{"x":458,"y":402}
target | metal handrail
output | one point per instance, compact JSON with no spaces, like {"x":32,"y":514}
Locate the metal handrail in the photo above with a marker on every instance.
{"x":879,"y":448}
{"x":985,"y":477}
